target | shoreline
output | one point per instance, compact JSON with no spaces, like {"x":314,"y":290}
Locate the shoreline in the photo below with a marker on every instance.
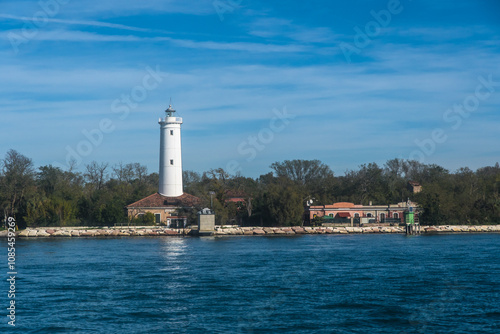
{"x":119,"y":231}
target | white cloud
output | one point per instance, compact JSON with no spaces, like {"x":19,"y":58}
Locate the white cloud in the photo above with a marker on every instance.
{"x":110,"y":8}
{"x":269,"y":27}
{"x":241,"y":46}
{"x":443,"y":33}
{"x":82,"y":36}
{"x":149,"y":6}
{"x":78,"y":22}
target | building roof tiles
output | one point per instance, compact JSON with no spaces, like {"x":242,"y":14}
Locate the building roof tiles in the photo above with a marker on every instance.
{"x":157,"y":200}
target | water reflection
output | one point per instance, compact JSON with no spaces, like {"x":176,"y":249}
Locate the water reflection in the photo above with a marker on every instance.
{"x":174,"y":251}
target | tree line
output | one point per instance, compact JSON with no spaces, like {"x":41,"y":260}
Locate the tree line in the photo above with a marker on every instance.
{"x":50,"y":196}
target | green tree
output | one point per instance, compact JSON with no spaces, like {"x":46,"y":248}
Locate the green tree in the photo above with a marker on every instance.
{"x":96,"y":175}
{"x":303,"y":172}
{"x":55,"y":201}
{"x":366,"y":184}
{"x":395,"y":179}
{"x":148,"y":219}
{"x":431,"y":214}
{"x":17,"y":184}
{"x":192,"y":182}
{"x":312,"y":176}
{"x":281,"y":204}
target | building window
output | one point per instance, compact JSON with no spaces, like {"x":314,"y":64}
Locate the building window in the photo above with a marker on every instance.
{"x":171,"y":161}
{"x":356,"y":215}
{"x":158,"y":218}
{"x":331,"y":215}
{"x":395,"y":215}
{"x":369,"y":215}
{"x":382,"y":217}
{"x":171,"y":132}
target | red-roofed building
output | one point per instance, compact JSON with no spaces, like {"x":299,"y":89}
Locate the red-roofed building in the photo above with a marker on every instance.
{"x":236,"y":196}
{"x":164,"y":208}
{"x":357,"y":213}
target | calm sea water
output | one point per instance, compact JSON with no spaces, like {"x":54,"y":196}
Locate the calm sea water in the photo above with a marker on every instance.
{"x":306,"y":284}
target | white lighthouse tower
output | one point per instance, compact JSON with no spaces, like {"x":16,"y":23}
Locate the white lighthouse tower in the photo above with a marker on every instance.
{"x":170,"y":155}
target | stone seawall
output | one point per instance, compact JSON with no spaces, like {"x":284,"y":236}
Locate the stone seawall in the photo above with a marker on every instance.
{"x":96,"y":232}
{"x":353,"y":230}
{"x":152,"y":231}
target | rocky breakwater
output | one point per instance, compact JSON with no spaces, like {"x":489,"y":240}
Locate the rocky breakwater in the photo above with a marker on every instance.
{"x":461,"y":229}
{"x":294,"y":230}
{"x":96,"y":232}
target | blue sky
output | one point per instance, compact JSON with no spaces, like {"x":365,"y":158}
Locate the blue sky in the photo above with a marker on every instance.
{"x":255,"y":81}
